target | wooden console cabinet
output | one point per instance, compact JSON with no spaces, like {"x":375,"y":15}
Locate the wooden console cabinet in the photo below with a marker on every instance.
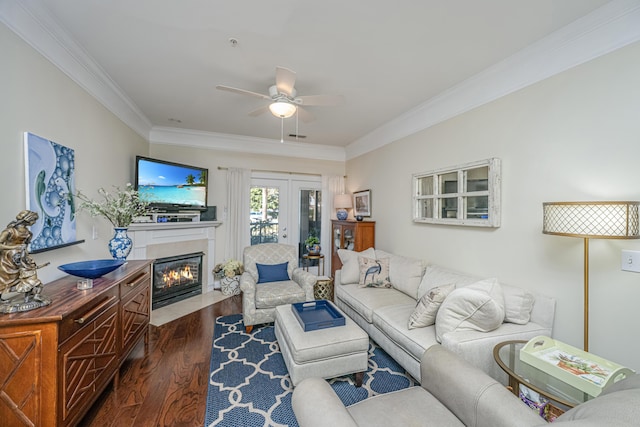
{"x":56,"y":360}
{"x":353,"y":235}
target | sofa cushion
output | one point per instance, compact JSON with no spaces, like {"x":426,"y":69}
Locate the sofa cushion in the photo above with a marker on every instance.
{"x":405,"y":273}
{"x":435,"y":275}
{"x":273,"y":294}
{"x":350,"y":271}
{"x":424,"y":314}
{"x":374,"y":273}
{"x":365,"y":300}
{"x":412,"y":406}
{"x":272,"y":272}
{"x":518,"y":304}
{"x":392,"y":320}
{"x":478,"y":307}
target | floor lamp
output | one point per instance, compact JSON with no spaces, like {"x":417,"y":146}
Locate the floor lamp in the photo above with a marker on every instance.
{"x":591,"y":220}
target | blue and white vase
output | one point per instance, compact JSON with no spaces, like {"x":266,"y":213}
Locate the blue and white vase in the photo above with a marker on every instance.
{"x":120,"y":244}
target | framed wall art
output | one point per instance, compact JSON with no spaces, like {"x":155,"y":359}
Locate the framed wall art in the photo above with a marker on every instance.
{"x":362,"y":203}
{"x":50,"y":185}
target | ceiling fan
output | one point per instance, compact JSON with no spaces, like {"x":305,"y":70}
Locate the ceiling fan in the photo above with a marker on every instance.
{"x":284,"y":100}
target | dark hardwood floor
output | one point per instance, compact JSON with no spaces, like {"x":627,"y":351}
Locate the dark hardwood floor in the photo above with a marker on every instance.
{"x":164,"y":384}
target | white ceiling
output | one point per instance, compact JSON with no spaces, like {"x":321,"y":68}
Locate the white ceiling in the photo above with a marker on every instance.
{"x":165,"y":57}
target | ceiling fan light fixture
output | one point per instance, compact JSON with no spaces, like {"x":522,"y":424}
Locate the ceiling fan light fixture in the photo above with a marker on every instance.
{"x":282,"y":109}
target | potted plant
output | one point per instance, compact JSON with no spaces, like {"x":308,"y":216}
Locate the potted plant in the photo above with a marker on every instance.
{"x":313,"y":245}
{"x":119,"y":207}
{"x":230,"y":271}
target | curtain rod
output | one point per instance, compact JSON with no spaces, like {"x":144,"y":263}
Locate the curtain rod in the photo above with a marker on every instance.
{"x":223,"y":168}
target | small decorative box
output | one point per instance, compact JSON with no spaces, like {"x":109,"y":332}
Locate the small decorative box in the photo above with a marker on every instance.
{"x":314,"y":315}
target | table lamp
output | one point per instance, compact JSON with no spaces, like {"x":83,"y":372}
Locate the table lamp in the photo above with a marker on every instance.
{"x":595,"y":220}
{"x":342,"y":202}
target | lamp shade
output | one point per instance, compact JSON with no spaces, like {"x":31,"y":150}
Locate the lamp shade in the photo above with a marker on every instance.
{"x":342,"y":201}
{"x":601,"y":220}
{"x":282,"y":109}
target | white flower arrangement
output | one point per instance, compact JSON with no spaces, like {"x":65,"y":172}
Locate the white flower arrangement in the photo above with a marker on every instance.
{"x":229,"y":268}
{"x":120,"y":207}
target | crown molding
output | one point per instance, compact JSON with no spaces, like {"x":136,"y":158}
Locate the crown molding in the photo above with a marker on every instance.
{"x":30,"y":20}
{"x":606,"y":29}
{"x":244,"y":144}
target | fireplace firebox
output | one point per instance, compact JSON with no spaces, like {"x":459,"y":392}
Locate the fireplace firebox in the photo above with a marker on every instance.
{"x":176,"y":278}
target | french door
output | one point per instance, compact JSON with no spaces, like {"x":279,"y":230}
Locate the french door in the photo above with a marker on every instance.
{"x":285,"y":208}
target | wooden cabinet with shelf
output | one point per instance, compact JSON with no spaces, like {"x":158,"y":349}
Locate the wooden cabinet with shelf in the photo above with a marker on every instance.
{"x":56,"y":360}
{"x":352,"y":235}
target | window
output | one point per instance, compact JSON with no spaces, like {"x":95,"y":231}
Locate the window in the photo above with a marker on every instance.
{"x":463,"y":195}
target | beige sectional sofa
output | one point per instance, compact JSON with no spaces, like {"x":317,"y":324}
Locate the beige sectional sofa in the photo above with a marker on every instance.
{"x":469,"y":322}
{"x":457,"y":394}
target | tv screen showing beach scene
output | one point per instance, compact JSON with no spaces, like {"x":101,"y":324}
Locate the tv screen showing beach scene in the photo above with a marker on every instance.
{"x":171,"y":185}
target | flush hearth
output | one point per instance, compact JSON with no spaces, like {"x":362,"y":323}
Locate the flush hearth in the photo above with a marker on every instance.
{"x":176,"y":278}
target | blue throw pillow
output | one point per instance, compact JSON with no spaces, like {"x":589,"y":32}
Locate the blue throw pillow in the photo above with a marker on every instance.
{"x":272,"y":272}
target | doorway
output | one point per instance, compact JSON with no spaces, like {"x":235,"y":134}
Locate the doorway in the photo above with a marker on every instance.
{"x":285,"y":208}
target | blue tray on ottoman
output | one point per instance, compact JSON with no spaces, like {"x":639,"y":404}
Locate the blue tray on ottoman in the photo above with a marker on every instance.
{"x":314,"y":315}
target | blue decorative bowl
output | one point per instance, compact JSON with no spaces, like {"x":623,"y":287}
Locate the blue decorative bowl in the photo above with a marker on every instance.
{"x":92,"y":269}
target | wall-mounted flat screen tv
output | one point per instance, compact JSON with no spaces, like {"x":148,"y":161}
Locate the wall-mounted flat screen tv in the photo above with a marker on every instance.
{"x":171,"y":186}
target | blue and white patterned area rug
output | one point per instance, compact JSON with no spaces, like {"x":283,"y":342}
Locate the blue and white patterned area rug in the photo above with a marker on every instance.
{"x":249,"y":384}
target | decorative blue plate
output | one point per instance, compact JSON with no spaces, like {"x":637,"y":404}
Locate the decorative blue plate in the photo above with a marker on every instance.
{"x":92,"y":269}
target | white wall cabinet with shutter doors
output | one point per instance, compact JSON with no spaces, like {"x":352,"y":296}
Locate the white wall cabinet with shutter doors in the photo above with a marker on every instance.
{"x":466,"y":194}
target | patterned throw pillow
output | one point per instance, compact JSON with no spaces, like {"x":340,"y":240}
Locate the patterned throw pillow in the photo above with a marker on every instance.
{"x":374,"y":273}
{"x":425,"y":312}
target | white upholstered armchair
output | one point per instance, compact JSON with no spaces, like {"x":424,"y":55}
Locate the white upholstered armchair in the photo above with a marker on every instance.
{"x":271,"y":278}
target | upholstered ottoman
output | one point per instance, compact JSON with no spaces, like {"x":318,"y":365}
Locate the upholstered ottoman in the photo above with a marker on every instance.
{"x":324,"y":353}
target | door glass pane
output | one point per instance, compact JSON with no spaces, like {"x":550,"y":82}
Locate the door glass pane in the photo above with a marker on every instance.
{"x":448,"y":183}
{"x":425,"y":208}
{"x":478,"y":207}
{"x":310,"y":220}
{"x":263,"y":221}
{"x":477,"y":179}
{"x":424,"y":186}
{"x":449,"y":207}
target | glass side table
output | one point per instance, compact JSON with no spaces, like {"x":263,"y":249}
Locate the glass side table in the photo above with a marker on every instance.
{"x":507,"y":355}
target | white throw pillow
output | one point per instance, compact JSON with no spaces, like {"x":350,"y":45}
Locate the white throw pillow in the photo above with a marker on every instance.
{"x":350,"y":272}
{"x":435,"y":275}
{"x":492,"y":287}
{"x":518,"y":304}
{"x":425,"y":312}
{"x":470,"y":308}
{"x":405,"y":273}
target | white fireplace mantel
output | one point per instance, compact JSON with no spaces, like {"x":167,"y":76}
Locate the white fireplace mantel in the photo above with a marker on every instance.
{"x":167,"y":235}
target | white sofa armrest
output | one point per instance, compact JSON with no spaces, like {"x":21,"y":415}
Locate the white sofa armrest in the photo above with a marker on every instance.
{"x":306,"y":281}
{"x":316,"y":404}
{"x":474,"y":397}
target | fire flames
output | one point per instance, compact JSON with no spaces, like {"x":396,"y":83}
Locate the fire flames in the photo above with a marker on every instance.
{"x":177,"y":276}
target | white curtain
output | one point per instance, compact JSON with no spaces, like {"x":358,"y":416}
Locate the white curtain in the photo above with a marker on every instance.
{"x":331,"y":185}
{"x":238,"y":189}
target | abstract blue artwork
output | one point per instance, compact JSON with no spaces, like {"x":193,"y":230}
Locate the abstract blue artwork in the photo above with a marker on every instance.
{"x":50,"y":192}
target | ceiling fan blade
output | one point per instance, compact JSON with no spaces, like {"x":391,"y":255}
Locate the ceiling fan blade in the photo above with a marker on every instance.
{"x":322,"y":100}
{"x":285,"y":80}
{"x":305,"y":115}
{"x":243,"y":92}
{"x":259,"y":111}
